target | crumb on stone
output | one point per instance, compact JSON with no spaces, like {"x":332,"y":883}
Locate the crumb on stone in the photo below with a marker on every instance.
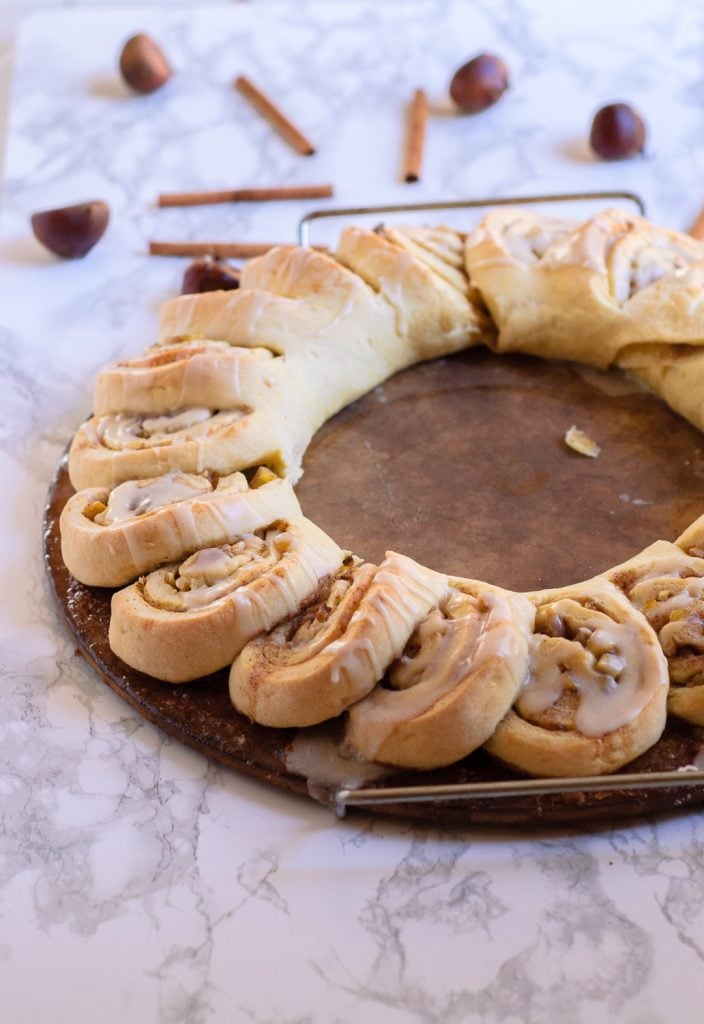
{"x":582,"y":443}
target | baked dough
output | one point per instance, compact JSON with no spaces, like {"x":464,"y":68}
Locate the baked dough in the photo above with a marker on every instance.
{"x":313,"y":667}
{"x":335,"y":338}
{"x":189,"y":619}
{"x":107,"y":450}
{"x":427,"y":666}
{"x":206,"y":373}
{"x":666,"y":584}
{"x":286,"y":295}
{"x":440,"y":248}
{"x":692,"y":540}
{"x":675,"y":373}
{"x":456,"y":679}
{"x":109,"y":537}
{"x":588,"y":291}
{"x":596,"y":691}
{"x":432,"y":317}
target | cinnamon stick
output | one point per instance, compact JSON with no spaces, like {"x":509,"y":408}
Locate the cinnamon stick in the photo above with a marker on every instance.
{"x":241,"y":195}
{"x":697,"y":229}
{"x":268,"y":109}
{"x":234,"y":250}
{"x":415,"y":140}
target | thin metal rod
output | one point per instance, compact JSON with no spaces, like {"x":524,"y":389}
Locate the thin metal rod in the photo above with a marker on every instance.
{"x":345,"y":798}
{"x":462,"y":204}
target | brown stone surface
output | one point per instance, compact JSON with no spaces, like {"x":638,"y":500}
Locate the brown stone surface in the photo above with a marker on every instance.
{"x":460,"y":463}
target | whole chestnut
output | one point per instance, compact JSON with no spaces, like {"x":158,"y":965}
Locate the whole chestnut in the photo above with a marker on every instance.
{"x":209,"y":275}
{"x":72,"y":231}
{"x":617,"y":132}
{"x":143,"y":64}
{"x":480,"y":83}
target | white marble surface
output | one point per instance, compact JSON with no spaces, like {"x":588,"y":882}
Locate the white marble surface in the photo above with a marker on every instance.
{"x":137,"y":881}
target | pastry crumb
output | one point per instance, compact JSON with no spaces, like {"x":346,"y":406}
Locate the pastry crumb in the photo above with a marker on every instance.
{"x":580,"y":442}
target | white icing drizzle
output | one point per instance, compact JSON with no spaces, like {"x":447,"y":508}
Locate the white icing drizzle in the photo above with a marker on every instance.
{"x":325,"y":764}
{"x":676,"y":564}
{"x":293,"y":266}
{"x":250,"y":312}
{"x":245,"y":572}
{"x":230,"y":514}
{"x":519,"y":238}
{"x":640,"y":258}
{"x":528,"y":239}
{"x":137,"y":497}
{"x":212,"y":573}
{"x":124,"y":431}
{"x":456,"y":640}
{"x":401,"y":593}
{"x":611,"y":666}
{"x":590,"y":245}
{"x":226,"y":366}
{"x":393,"y":287}
{"x":345,"y":310}
{"x":684,"y":595}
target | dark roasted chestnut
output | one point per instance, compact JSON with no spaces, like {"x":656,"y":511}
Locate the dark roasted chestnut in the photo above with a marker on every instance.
{"x":617,"y":132}
{"x":143,"y":64}
{"x":209,"y":275}
{"x":479,"y":84}
{"x":72,"y":231}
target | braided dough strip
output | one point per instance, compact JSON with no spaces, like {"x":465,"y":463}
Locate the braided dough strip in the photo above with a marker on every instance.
{"x":432,"y":317}
{"x":675,"y":372}
{"x":107,"y":450}
{"x":587,"y":291}
{"x":174,"y":515}
{"x":338,"y":337}
{"x":206,"y":373}
{"x":441,"y":248}
{"x":188,"y":620}
{"x":313,"y":668}
{"x":458,"y":677}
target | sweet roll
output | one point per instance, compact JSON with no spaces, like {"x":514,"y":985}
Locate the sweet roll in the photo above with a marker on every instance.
{"x":192,"y":617}
{"x":595,"y":694}
{"x":111,"y":536}
{"x":457,"y":677}
{"x":319,"y":663}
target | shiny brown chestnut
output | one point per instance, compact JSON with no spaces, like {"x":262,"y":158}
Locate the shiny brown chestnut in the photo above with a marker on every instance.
{"x":618,"y":132}
{"x":143,"y":64}
{"x":208,"y":275}
{"x":72,"y":231}
{"x":479,"y":84}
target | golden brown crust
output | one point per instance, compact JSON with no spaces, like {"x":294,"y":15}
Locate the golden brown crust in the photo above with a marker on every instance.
{"x":457,"y":678}
{"x":432,"y":317}
{"x":666,"y":584}
{"x":595,"y":697}
{"x":112,"y":553}
{"x":691,"y":541}
{"x":218,"y":442}
{"x":675,"y":373}
{"x":167,"y":378}
{"x":312,"y":670}
{"x":586,"y":291}
{"x":188,"y":620}
{"x":245,"y":378}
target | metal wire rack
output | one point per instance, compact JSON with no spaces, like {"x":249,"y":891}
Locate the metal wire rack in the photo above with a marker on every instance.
{"x":304,"y":225}
{"x":682,"y":777}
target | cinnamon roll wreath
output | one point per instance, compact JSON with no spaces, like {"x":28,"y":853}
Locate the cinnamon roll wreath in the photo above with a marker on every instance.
{"x":184,"y":499}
